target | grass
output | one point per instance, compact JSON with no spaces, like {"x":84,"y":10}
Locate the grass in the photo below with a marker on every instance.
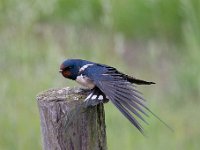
{"x":153,"y":40}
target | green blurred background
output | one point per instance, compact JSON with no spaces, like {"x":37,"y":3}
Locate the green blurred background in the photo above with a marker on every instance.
{"x":156,"y":40}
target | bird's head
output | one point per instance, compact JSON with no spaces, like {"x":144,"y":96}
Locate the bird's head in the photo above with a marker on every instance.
{"x":70,"y":69}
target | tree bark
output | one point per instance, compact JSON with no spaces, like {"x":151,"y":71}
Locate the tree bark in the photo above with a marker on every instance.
{"x":67,"y":125}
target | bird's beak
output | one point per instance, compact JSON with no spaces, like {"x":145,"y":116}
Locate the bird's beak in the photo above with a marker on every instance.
{"x":60,"y":71}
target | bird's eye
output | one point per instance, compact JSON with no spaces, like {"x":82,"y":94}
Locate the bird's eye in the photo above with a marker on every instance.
{"x":69,"y":67}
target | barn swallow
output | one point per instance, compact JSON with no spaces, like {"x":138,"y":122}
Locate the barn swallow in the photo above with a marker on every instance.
{"x":107,"y":83}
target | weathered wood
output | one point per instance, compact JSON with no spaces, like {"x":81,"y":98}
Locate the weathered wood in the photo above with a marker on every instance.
{"x":68,"y":126}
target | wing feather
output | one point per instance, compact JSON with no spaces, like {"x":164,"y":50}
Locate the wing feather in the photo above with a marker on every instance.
{"x":127,"y":115}
{"x":124,"y":102}
{"x":128,"y":98}
{"x":121,"y":93}
{"x":119,"y":89}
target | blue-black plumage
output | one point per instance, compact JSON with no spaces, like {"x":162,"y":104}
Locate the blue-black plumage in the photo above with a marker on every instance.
{"x":108,"y":83}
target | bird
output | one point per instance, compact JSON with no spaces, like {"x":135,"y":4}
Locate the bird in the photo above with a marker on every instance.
{"x":108,"y":84}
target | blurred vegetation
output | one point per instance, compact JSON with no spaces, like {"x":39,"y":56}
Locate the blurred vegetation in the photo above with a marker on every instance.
{"x":152,"y":39}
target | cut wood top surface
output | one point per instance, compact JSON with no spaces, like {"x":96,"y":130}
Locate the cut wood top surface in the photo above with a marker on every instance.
{"x":68,"y":94}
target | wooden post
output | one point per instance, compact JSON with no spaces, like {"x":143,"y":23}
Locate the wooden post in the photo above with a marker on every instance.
{"x":66,"y":125}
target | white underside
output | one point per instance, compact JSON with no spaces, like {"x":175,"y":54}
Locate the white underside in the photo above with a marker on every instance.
{"x":85,"y":81}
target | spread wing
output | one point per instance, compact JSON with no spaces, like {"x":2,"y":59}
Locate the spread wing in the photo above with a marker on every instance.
{"x":120,"y":92}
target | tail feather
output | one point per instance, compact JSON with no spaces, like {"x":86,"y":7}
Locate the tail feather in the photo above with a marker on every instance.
{"x":95,"y":97}
{"x":137,"y":81}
